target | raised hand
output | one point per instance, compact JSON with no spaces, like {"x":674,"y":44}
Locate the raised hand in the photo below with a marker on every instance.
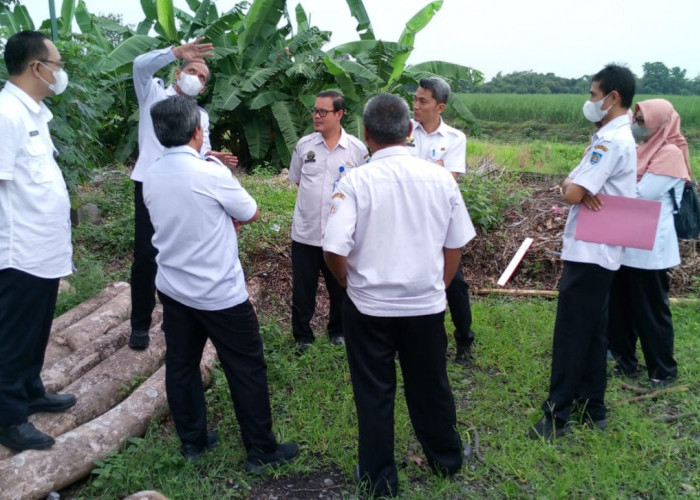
{"x":194,"y":51}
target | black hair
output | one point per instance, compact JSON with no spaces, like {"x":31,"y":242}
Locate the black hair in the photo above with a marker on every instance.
{"x":175,"y":119}
{"x":615,"y":77}
{"x":387,"y":119}
{"x":338,"y":99}
{"x":439,"y":88}
{"x":24,"y":47}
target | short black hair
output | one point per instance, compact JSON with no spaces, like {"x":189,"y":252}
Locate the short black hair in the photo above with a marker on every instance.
{"x":338,"y":99}
{"x":615,"y":77}
{"x":175,"y":119}
{"x":439,"y":88}
{"x":387,"y":119}
{"x":24,"y":47}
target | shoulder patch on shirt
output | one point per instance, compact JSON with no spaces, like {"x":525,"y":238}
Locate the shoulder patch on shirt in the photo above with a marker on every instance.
{"x":411,"y":141}
{"x":601,"y":147}
{"x":310,"y":157}
{"x":596,"y":157}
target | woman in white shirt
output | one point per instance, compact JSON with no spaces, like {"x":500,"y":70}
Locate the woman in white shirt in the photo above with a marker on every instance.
{"x":639,"y":306}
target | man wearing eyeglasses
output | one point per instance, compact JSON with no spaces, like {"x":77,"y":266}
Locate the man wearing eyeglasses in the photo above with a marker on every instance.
{"x":35,"y":236}
{"x":318,"y":161}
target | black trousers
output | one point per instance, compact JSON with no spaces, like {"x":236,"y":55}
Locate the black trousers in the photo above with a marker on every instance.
{"x":27,"y":305}
{"x":579,"y":353}
{"x":307,"y":264}
{"x":144,"y":267}
{"x":372,"y":344}
{"x":460,"y":310}
{"x":639,"y":308}
{"x":235,"y":334}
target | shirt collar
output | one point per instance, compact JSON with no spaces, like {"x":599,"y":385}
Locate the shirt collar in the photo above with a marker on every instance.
{"x":612,"y":125}
{"x":342,"y":142}
{"x":440,"y":130}
{"x":181,"y":150}
{"x":38,"y":108}
{"x":390,"y":151}
{"x":170,"y":91}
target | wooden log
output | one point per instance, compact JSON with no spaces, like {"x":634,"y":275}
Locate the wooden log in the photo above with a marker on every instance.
{"x":102,"y":387}
{"x":147,"y":495}
{"x":75,"y":365}
{"x":34,"y":474}
{"x":89,"y":328}
{"x":86,"y":308}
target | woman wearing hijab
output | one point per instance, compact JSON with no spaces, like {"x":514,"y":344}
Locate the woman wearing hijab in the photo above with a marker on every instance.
{"x":639,"y":304}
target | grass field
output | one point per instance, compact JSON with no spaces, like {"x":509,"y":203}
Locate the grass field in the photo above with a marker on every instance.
{"x":497,"y":398}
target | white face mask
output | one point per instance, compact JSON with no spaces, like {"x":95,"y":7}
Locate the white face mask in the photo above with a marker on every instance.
{"x":61,"y":78}
{"x":593,"y":111}
{"x":189,"y":84}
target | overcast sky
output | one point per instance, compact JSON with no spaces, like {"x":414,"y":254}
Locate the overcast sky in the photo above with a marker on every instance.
{"x":570,"y":38}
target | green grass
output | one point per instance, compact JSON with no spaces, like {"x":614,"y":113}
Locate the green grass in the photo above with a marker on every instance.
{"x":498,"y":398}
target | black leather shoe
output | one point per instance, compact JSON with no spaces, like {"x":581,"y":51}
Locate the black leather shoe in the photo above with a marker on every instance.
{"x":193,"y":453}
{"x":338,"y":340}
{"x":548,"y":429}
{"x":24,"y":436}
{"x":302,"y":347}
{"x":463,"y":355}
{"x":139,"y":340}
{"x":51,"y":403}
{"x":258,"y":460}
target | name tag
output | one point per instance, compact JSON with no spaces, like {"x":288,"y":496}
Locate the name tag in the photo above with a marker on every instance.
{"x":33,"y":133}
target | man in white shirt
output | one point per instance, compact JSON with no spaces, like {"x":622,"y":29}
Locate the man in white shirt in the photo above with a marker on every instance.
{"x":35,"y":236}
{"x":437,"y":142}
{"x":194,"y":205}
{"x":394,"y":238}
{"x":191,"y":80}
{"x":318,"y":161}
{"x":579,"y":351}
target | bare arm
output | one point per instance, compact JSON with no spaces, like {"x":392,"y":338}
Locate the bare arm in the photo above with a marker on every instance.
{"x":338,"y":266}
{"x":573,"y":194}
{"x":452,"y":257}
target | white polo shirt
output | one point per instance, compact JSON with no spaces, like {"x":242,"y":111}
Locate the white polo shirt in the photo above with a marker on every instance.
{"x":391,"y":219}
{"x":315,"y":168}
{"x":191,"y":202}
{"x":149,"y":91}
{"x":34,"y":204}
{"x":609,"y":166}
{"x":444,"y":143}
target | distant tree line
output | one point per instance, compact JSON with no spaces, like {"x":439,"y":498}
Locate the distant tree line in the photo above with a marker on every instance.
{"x":656,"y":79}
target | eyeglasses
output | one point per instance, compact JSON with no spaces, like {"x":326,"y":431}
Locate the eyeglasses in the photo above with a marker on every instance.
{"x":60,"y":64}
{"x":321,"y":112}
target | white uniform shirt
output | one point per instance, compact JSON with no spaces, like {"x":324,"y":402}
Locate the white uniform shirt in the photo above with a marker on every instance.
{"x":34,"y":203}
{"x":150,"y":90}
{"x":316,"y":170}
{"x":191,"y":202}
{"x":445,"y":143}
{"x":391,"y":219}
{"x":665,"y":253}
{"x":609,"y":167}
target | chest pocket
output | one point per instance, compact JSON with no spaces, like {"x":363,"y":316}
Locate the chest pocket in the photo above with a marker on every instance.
{"x":39,"y":161}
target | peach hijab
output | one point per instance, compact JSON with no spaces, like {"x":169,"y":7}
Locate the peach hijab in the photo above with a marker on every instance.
{"x":666,"y":151}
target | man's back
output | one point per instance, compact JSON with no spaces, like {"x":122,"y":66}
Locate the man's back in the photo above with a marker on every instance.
{"x":405,"y":211}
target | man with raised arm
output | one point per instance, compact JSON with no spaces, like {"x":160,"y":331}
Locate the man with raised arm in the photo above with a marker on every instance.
{"x":191,"y":80}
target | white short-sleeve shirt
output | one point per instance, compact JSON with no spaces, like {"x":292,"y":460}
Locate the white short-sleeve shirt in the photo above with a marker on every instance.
{"x":149,"y":91}
{"x":316,"y":169}
{"x":391,"y":219}
{"x":191,"y":202}
{"x":35,"y":233}
{"x":444,"y":143}
{"x":609,"y":166}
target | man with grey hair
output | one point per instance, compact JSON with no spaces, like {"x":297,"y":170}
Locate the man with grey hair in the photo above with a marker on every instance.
{"x":201,"y":285}
{"x":437,"y":142}
{"x":393,"y":240}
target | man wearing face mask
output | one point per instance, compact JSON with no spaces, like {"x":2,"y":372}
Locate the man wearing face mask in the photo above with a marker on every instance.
{"x":191,"y":79}
{"x":35,"y":236}
{"x":609,"y":166}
